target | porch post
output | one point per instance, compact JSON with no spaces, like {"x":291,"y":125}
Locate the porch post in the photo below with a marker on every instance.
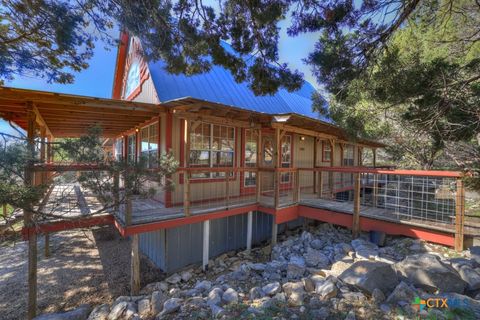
{"x":277,"y":153}
{"x":315,"y":142}
{"x":249,"y":230}
{"x":43,"y":174}
{"x":28,"y":219}
{"x":374,"y":160}
{"x":459,"y":215}
{"x":331,"y":174}
{"x":206,"y":244}
{"x":135,"y":267}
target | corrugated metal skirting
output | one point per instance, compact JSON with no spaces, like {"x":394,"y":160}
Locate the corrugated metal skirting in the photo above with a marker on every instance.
{"x":175,"y":248}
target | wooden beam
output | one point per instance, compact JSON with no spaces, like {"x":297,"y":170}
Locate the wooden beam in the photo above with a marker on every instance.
{"x":40,"y":120}
{"x":216,"y":120}
{"x":29,"y":223}
{"x":459,"y":215}
{"x":135,"y":267}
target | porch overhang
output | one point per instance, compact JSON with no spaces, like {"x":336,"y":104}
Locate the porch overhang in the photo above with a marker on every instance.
{"x":66,"y":115}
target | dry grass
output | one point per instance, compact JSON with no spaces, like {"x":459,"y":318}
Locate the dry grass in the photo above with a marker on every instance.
{"x":84,"y":267}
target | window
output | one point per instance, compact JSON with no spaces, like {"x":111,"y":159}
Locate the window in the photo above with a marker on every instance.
{"x":149,"y":144}
{"x":348,"y":156}
{"x":286,"y":157}
{"x":133,"y":78}
{"x":212,"y":146}
{"x":267,"y":142}
{"x":131,"y":144}
{"x":326,"y":151}
{"x":251,"y":145}
{"x":119,"y":149}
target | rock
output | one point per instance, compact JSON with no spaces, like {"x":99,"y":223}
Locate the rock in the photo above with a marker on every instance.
{"x":308,"y":284}
{"x":171,"y":305}
{"x":326,"y":289}
{"x":475,"y":253}
{"x":428,"y":272}
{"x":157,"y":301}
{"x":402,"y":292}
{"x":320,"y":314}
{"x":368,"y":275}
{"x":130,"y":311}
{"x":296,"y":268}
{"x":186,"y":275}
{"x":317,"y":244}
{"x":271,"y":288}
{"x":203,"y":286}
{"x":459,"y":301}
{"x":470,"y":276}
{"x":315,"y":258}
{"x":377,"y":296}
{"x":364,"y":249}
{"x":258,"y":267}
{"x":80,"y":313}
{"x":174,"y":278}
{"x":217,"y":312}
{"x":154,"y":286}
{"x":100,"y":312}
{"x":339,"y":267}
{"x":230,"y":296}
{"x":215,"y":296}
{"x":294,"y":292}
{"x":117,"y":310}
{"x":350,"y":315}
{"x":144,"y":307}
{"x":255,"y":293}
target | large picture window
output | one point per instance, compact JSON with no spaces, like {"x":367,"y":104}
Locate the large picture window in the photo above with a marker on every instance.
{"x":149,"y":144}
{"x":133,"y":78}
{"x":212,"y":145}
{"x":251,"y":147}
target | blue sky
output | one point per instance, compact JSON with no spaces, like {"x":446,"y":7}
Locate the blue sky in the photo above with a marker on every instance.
{"x":98,"y":78}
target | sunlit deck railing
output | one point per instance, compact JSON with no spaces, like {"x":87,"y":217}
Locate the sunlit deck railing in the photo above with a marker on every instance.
{"x":434,"y":199}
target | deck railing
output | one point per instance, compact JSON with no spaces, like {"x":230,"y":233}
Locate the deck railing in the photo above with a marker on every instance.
{"x":433,"y":198}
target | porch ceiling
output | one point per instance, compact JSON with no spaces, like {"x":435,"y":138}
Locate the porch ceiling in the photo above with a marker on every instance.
{"x":68,"y":115}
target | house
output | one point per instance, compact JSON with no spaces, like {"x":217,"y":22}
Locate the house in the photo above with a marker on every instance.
{"x":249,"y":166}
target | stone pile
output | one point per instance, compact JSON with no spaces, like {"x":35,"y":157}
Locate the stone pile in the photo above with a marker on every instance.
{"x":320,"y":274}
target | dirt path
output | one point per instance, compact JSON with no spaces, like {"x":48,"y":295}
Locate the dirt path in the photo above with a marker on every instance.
{"x":84,"y":267}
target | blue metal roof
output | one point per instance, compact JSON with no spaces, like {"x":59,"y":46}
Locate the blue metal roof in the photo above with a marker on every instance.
{"x":218,"y":85}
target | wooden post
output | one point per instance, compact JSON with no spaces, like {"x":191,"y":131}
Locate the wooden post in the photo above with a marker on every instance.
{"x":320,"y":184}
{"x":315,"y":164}
{"x":206,"y":244}
{"x":356,"y":206}
{"x":249,"y":230}
{"x":47,"y":245}
{"x":227,"y":188}
{"x":375,"y":190}
{"x":459,"y":215}
{"x":296,"y":177}
{"x":186,"y":176}
{"x":331,"y":175}
{"x":28,"y":220}
{"x":43,"y":174}
{"x":259,"y":186}
{"x":276,"y":181}
{"x":186,"y":193}
{"x":135,"y":267}
{"x":374,"y":160}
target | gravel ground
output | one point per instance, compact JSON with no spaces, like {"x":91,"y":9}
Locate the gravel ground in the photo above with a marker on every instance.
{"x":90,"y":266}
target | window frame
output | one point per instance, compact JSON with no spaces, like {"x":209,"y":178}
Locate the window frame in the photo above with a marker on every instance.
{"x":285,"y":177}
{"x":149,"y":151}
{"x":131,"y":157}
{"x":212,"y":152}
{"x":326,"y":147}
{"x":119,"y":144}
{"x":345,"y":153}
{"x":250,"y":175}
